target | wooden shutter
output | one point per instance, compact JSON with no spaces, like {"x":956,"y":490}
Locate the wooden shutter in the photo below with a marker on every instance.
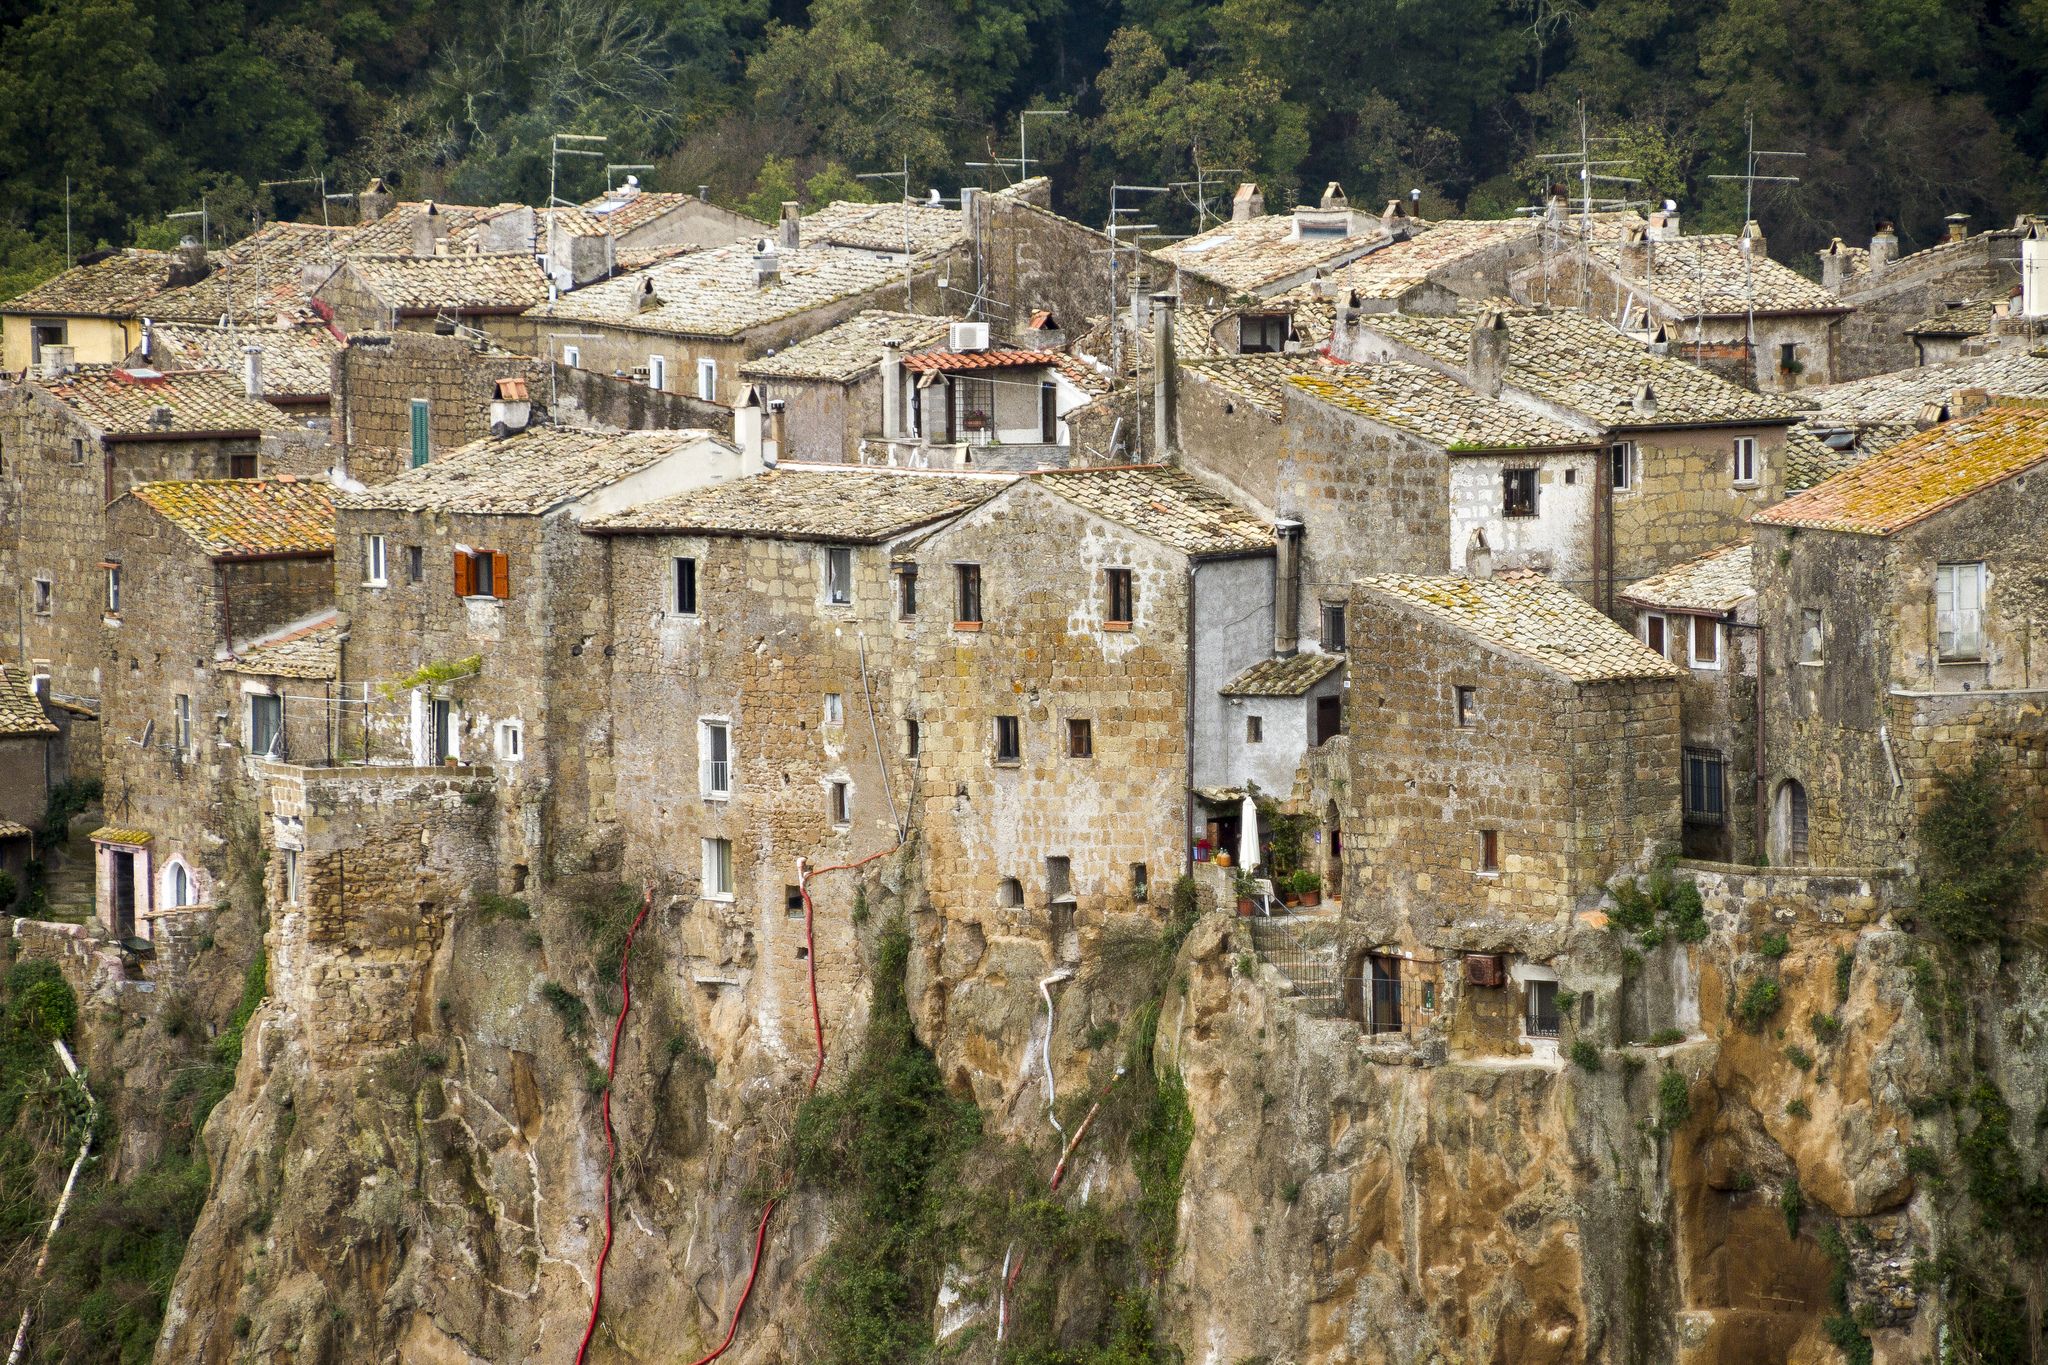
{"x":465,"y":570}
{"x":501,"y":576}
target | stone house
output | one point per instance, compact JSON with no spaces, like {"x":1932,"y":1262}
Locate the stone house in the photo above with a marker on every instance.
{"x":970,"y":405}
{"x":1898,"y":602}
{"x":830,"y":385}
{"x":490,"y":293}
{"x":28,"y":740}
{"x":206,"y":573}
{"x":1701,"y":615}
{"x":70,"y":446}
{"x":1063,"y":631}
{"x":474,"y":604}
{"x":1892,"y":293}
{"x":640,"y":219}
{"x":1263,"y":254}
{"x":758,"y":718}
{"x":1860,"y":417}
{"x":266,"y":279}
{"x":404,"y":398}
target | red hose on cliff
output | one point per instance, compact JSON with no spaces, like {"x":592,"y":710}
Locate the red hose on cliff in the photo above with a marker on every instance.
{"x":818,"y":1032}
{"x":611,"y":1145}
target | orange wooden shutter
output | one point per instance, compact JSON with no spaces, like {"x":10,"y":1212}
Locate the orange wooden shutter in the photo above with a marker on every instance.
{"x":463,"y":570}
{"x":501,"y":575}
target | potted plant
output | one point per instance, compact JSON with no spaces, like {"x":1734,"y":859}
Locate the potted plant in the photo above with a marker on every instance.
{"x":1308,"y":887}
{"x":1247,"y":893}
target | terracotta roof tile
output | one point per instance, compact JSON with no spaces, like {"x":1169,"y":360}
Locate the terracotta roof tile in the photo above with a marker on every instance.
{"x":271,"y":271}
{"x":460,"y":283}
{"x":9,"y":829}
{"x":121,"y":286}
{"x":525,"y":475}
{"x":21,"y":712}
{"x":851,"y":349}
{"x":297,"y":361}
{"x":1164,"y":503}
{"x":1283,"y":677}
{"x":1536,"y":618}
{"x":712,"y":293}
{"x":308,"y":651}
{"x":1899,"y":395}
{"x":1922,"y":474}
{"x":858,"y":504}
{"x":229,"y":518}
{"x":1715,"y":582}
{"x":1265,"y":251}
{"x":950,"y":362}
{"x":1261,"y":381}
{"x":1437,"y":408}
{"x":120,"y":402}
{"x":1710,"y":274}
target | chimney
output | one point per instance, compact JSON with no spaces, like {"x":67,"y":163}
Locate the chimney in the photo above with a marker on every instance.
{"x":747,"y":422}
{"x":791,"y":228}
{"x":252,"y":370}
{"x":1958,"y":227}
{"x":892,"y":388}
{"x":767,"y":263}
{"x":1165,"y":377}
{"x":1248,"y":203}
{"x":703,"y":194}
{"x":1635,"y":251}
{"x":1660,"y":342}
{"x":373,"y":201}
{"x":57,"y":361}
{"x":1664,"y":224}
{"x":188,"y":264}
{"x":1884,"y":248}
{"x":1968,"y":402}
{"x":1753,"y":242}
{"x":649,"y":300}
{"x":1834,"y":266}
{"x":778,"y":433}
{"x":430,"y":231}
{"x":1286,"y":588}
{"x":970,"y":199}
{"x":1333,"y":197}
{"x":1557,"y":204}
{"x":2034,"y":273}
{"x":1486,"y":355}
{"x":1644,"y":402}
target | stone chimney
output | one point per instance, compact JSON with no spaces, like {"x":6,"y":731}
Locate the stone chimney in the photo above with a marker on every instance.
{"x":58,"y":361}
{"x":1333,"y":197}
{"x":252,"y":370}
{"x":1165,"y":377}
{"x":1754,"y":242}
{"x":373,"y":201}
{"x":1968,"y":402}
{"x":1486,"y":355}
{"x":1958,"y":227}
{"x":430,"y":231}
{"x":790,"y":231}
{"x":1635,"y":251}
{"x":1834,"y":266}
{"x":748,"y":422}
{"x":778,"y":433}
{"x":1286,"y":588}
{"x":648,"y":300}
{"x":1247,"y":204}
{"x":1664,"y":226}
{"x":767,"y":264}
{"x":892,"y":388}
{"x":1644,"y":402}
{"x":188,"y":263}
{"x":1884,"y":248}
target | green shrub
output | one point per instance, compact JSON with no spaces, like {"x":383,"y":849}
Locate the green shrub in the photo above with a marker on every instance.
{"x":1798,"y":1109}
{"x":492,"y":906}
{"x":1674,"y":1100}
{"x":1792,"y":1204}
{"x":1758,"y":1002}
{"x":1845,"y":963}
{"x":1247,"y":965}
{"x":1826,"y":1028}
{"x":575,"y":1015}
{"x":1665,"y":1037}
{"x":8,"y":889}
{"x":1922,"y":1160}
{"x":1307,"y":883}
{"x":1799,"y":1056}
{"x":1774,"y":945}
{"x":1979,"y":857}
{"x":1585,"y":1054}
{"x":40,"y":1001}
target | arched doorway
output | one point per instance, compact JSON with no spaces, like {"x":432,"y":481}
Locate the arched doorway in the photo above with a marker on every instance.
{"x":1789,"y":825}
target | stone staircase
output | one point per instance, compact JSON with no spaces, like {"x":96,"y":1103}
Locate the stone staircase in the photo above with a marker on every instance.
{"x":1311,"y":970}
{"x":69,"y":893}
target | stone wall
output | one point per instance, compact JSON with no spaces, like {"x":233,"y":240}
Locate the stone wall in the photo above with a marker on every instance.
{"x":378,"y":375}
{"x":1759,"y":898}
{"x":1914,"y":288}
{"x":586,"y":397}
{"x":1030,"y":258}
{"x":24,"y":778}
{"x":1685,"y":501}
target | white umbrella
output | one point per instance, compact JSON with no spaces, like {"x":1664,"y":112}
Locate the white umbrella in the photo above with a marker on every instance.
{"x":1248,"y":835}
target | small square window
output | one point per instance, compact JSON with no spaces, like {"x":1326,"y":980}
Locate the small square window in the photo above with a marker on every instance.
{"x":1123,"y":597}
{"x":1621,"y":465}
{"x":1745,"y":459}
{"x":683,"y":586}
{"x":1489,"y":850}
{"x":1254,"y":730}
{"x":1518,"y":492}
{"x":1009,"y":748}
{"x":1788,"y":354}
{"x":838,"y":576}
{"x":1333,"y":628}
{"x":511,"y":741}
{"x":572,"y":356}
{"x":792,"y":901}
{"x":242,"y":466}
{"x":906,"y":591}
{"x":967,"y":594}
{"x":841,"y":802}
{"x":415,"y":564}
{"x":835,"y":708}
{"x":1080,"y":739}
{"x":1809,"y":635}
{"x":1468,"y":706}
{"x":1706,"y":642}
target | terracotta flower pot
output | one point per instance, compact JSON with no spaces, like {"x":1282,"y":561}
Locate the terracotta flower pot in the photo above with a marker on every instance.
{"x":1311,"y":899}
{"x":1245,"y":906}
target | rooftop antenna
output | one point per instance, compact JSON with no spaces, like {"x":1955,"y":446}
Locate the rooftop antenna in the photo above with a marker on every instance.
{"x":1023,"y":155}
{"x":1593,"y":172}
{"x":903,"y":207}
{"x":611,"y":166}
{"x":1752,"y":156}
{"x":556,"y":151}
{"x":325,"y":197}
{"x":1201,"y":184}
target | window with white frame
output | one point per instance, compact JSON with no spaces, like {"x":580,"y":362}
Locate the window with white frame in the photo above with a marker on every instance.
{"x":835,"y":708}
{"x":1706,"y":642}
{"x":181,"y":722}
{"x":657,"y":372}
{"x":373,"y":561}
{"x":838,"y":575}
{"x":714,"y":750}
{"x":511,"y":741}
{"x":266,"y":725}
{"x":572,"y":356}
{"x":1745,"y":459}
{"x":177,"y":885}
{"x":1959,"y":611}
{"x":114,"y":589}
{"x":718,"y":869}
{"x":1621,"y":462}
{"x":683,"y":586}
{"x":707,"y":380}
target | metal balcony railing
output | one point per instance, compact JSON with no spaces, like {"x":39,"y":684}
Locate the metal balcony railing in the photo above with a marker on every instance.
{"x":717,"y":777}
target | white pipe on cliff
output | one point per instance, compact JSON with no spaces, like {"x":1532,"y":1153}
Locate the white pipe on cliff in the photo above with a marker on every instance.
{"x":63,"y":1200}
{"x":1045,"y":985}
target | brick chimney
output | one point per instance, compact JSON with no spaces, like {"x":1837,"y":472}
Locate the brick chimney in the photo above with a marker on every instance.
{"x":1247,"y":204}
{"x":1486,"y":355}
{"x":790,"y":230}
{"x":1884,"y":248}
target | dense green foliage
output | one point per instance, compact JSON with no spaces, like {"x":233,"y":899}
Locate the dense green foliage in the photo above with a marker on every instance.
{"x":1980,"y":857}
{"x":1657,"y":905}
{"x":1908,"y":109}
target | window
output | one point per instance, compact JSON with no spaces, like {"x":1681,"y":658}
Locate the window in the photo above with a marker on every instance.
{"x":290,"y":875}
{"x":1542,"y":1020}
{"x":1468,"y":706}
{"x":1009,"y":893}
{"x":906,"y":591}
{"x":421,"y":446}
{"x":1329,"y":718}
{"x":838,"y":576}
{"x":912,"y":738}
{"x":442,"y":730}
{"x":1518,"y":492}
{"x":1745,"y":459}
{"x":78,"y":450}
{"x":1008,"y":747}
{"x":1788,"y":355}
{"x":177,"y":886}
{"x":839,"y":795}
{"x":1333,"y":628}
{"x":683,"y":588}
{"x":1261,"y":334}
{"x":1254,"y":730}
{"x":43,"y":334}
{"x":114,"y":589}
{"x":792,"y":901}
{"x":181,"y":722}
{"x":1706,"y":642}
{"x":373,"y":561}
{"x":1959,"y":611}
{"x":1705,"y":799}
{"x":835,"y":708}
{"x":1141,"y":883}
{"x":718,"y":869}
{"x":266,"y":725}
{"x":241,"y":466}
{"x":657,"y":372}
{"x":1621,"y":465}
{"x":43,"y":597}
{"x":1049,"y":413}
{"x":707,"y":380}
{"x":1123,"y":597}
{"x":967,"y":594}
{"x":482,"y":573}
{"x":1809,"y":635}
{"x":1080,"y":739}
{"x":714,"y":750}
{"x":1059,"y":880}
{"x":1489,"y":850}
{"x":1792,"y":824}
{"x":572,"y":356}
{"x":1656,"y":633}
{"x":415,"y":564}
{"x":511,"y":741}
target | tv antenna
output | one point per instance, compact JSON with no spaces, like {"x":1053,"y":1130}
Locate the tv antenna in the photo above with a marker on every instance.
{"x":556,"y":151}
{"x":1752,"y":158}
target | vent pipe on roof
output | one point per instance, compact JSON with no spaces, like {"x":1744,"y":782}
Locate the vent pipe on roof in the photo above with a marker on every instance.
{"x":1165,"y":377}
{"x":252,"y":370}
{"x":747,"y":422}
{"x":791,"y":228}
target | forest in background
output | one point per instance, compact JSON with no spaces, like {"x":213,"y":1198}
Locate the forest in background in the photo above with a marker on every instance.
{"x":1905,"y":109}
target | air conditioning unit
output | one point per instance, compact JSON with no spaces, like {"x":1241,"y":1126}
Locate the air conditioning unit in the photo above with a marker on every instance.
{"x":1485,"y":969}
{"x":967,"y":336}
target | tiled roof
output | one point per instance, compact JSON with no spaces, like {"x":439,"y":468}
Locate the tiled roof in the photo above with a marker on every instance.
{"x":1922,"y":474}
{"x":1809,"y":459}
{"x":622,"y":212}
{"x":1717,"y":581}
{"x":118,"y":287}
{"x":880,"y":227}
{"x":1283,"y":677}
{"x":271,"y":271}
{"x":230,"y":518}
{"x":309,"y":651}
{"x":1263,"y":251}
{"x":1164,"y":503}
{"x":392,"y":234}
{"x":1083,"y":374}
{"x":425,"y":284}
{"x":1965,"y":318}
{"x":855,"y":503}
{"x":1400,"y":266}
{"x":1534,"y":617}
{"x":1587,"y":367}
{"x":117,"y":834}
{"x":949,"y":362}
{"x":1710,"y":274}
{"x":712,"y":293}
{"x":1936,"y":255}
{"x":851,"y":349}
{"x":630,"y":258}
{"x":297,"y":361}
{"x":20,"y":711}
{"x":124,"y":402}
{"x":9,"y":829}
{"x":1261,"y":381}
{"x":1899,"y":395}
{"x":524,"y":475}
{"x":1437,"y":408}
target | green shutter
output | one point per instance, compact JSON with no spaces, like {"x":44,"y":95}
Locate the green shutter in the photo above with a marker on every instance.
{"x":419,"y":432}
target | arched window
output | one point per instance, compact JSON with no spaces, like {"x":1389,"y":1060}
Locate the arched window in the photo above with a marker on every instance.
{"x":1009,"y":892}
{"x":1791,"y":824}
{"x":177,"y":886}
